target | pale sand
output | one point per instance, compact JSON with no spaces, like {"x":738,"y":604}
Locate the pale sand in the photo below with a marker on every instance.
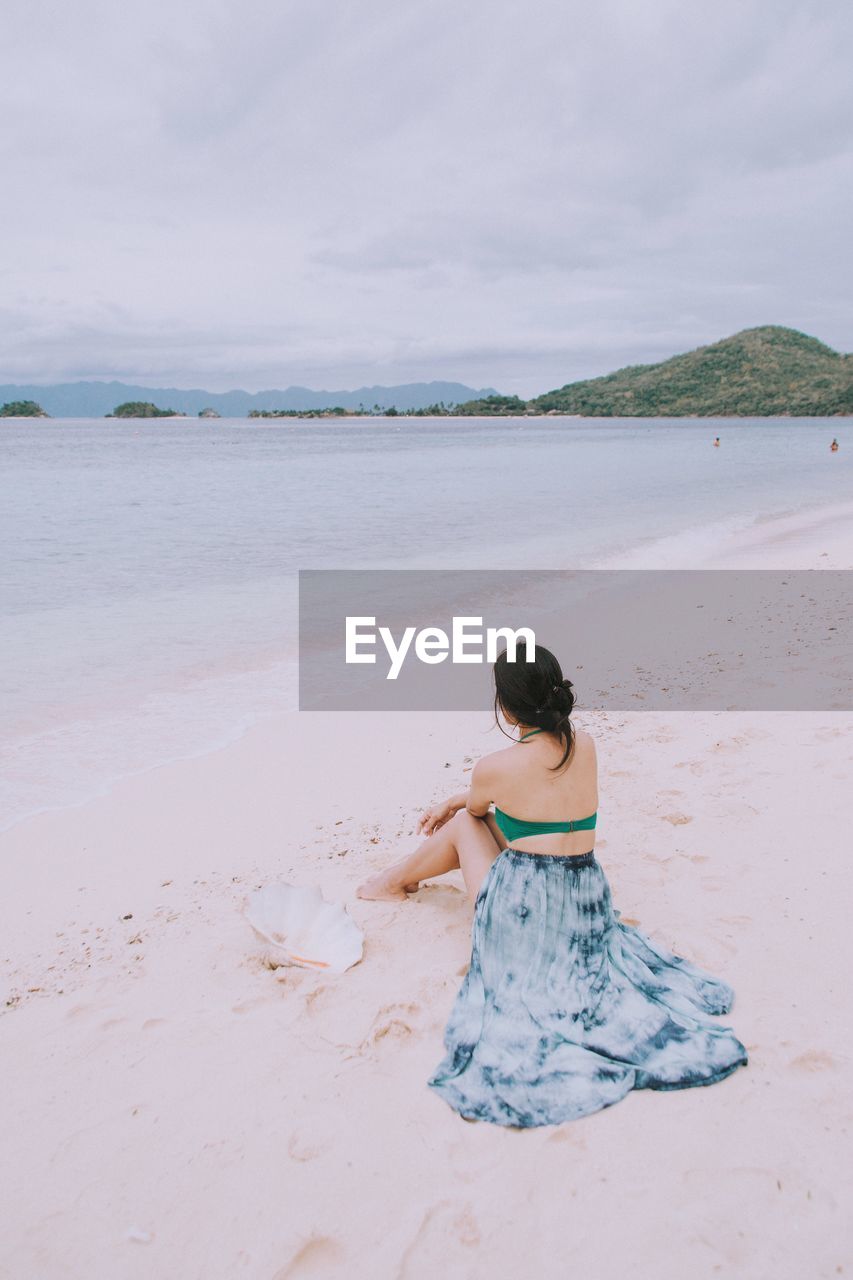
{"x":174,"y":1109}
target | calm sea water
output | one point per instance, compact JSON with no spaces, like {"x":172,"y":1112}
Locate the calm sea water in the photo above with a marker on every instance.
{"x":148,"y":580}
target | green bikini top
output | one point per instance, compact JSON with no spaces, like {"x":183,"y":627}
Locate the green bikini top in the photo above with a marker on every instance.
{"x":517,"y":828}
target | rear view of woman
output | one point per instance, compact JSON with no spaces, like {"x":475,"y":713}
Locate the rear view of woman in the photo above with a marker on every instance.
{"x":564,"y":1008}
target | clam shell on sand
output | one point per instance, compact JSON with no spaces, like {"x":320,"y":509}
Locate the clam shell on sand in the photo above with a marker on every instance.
{"x":303,"y":929}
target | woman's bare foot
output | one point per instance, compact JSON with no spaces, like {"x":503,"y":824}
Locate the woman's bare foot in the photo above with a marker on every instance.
{"x":385,"y":887}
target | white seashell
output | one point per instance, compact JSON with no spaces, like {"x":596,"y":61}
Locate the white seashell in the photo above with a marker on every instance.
{"x":304,"y":929}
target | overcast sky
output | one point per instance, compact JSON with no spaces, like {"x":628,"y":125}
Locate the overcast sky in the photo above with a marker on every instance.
{"x":345,"y":192}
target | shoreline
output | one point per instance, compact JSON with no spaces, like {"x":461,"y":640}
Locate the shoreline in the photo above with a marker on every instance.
{"x":417,"y":416}
{"x":816,"y":537}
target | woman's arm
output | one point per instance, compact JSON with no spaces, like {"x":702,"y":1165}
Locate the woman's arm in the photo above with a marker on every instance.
{"x":479,"y":797}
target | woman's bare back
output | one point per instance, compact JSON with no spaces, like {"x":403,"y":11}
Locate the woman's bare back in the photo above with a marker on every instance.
{"x":523,"y":782}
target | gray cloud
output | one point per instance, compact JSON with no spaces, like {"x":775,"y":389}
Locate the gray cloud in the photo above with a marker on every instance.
{"x":338,"y":193}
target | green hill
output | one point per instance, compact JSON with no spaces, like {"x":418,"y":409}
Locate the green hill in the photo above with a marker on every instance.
{"x":139,"y":409}
{"x":756,"y":373}
{"x":22,"y":409}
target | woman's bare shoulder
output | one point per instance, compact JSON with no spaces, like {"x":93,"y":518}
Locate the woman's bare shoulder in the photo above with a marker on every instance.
{"x":496,"y":762}
{"x":584,"y":742}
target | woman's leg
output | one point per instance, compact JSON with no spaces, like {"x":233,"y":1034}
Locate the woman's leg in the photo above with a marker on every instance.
{"x":465,"y":841}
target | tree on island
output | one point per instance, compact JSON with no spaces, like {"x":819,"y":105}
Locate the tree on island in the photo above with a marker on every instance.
{"x":335,"y":412}
{"x":22,"y":409}
{"x":140,"y":409}
{"x":492,"y":406}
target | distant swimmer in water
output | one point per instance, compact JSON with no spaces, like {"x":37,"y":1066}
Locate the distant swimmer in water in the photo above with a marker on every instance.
{"x":834,"y":446}
{"x":716,"y":442}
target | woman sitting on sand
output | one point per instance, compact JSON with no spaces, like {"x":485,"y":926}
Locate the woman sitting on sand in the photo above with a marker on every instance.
{"x":564,"y":1008}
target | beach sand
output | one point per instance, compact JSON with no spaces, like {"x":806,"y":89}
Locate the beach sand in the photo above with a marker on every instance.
{"x":174,"y":1108}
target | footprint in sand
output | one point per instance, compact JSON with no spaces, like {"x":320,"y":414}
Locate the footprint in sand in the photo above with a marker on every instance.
{"x":567,"y":1133}
{"x":827,"y":735}
{"x":303,"y":1147}
{"x":316,"y":1257}
{"x":320,"y":999}
{"x":344,"y":1025}
{"x":447,"y":1232}
{"x":392,"y":1022}
{"x":676,"y":819}
{"x":445,"y":897}
{"x":81,"y":1010}
{"x":249,"y":1006}
{"x":814,"y":1060}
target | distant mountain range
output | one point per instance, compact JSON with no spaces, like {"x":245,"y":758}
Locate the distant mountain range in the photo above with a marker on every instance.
{"x":759,"y":372}
{"x":94,"y":399}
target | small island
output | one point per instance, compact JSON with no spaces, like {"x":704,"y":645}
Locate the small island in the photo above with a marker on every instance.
{"x":208,"y":413}
{"x":141,"y":409}
{"x":333,"y":412}
{"x":22,"y":409}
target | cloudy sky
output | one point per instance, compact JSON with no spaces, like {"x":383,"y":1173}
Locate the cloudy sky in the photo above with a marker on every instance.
{"x":345,"y":192}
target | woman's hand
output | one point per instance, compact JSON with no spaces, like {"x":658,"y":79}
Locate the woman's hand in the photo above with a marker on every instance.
{"x":436,"y":817}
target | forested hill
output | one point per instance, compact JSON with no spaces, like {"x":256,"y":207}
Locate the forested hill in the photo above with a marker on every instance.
{"x":756,"y":373}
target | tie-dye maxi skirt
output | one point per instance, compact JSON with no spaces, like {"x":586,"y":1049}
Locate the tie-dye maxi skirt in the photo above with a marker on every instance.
{"x":565,"y":1009}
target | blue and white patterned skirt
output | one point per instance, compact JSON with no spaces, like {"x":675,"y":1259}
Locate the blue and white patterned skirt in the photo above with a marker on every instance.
{"x":565,"y":1009}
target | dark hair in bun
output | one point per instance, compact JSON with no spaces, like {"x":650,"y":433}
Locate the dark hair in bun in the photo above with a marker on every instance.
{"x":536,"y":693}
